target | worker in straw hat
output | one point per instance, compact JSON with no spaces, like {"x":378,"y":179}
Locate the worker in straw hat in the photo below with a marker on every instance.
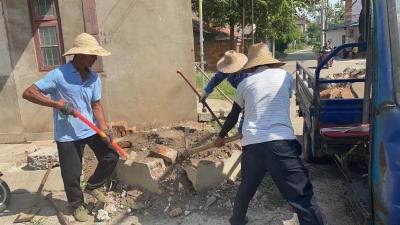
{"x":269,"y":144}
{"x":75,"y":86}
{"x":228,"y":68}
{"x":228,"y":65}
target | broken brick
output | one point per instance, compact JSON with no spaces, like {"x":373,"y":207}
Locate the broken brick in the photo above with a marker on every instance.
{"x":168,"y":154}
{"x":145,"y":173}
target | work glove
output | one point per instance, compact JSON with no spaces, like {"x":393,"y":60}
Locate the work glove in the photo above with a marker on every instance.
{"x":67,"y":109}
{"x":109,"y":133}
{"x":203,"y":96}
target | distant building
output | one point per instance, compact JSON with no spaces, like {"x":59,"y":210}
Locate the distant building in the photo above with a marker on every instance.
{"x":348,"y":31}
{"x":302,"y":24}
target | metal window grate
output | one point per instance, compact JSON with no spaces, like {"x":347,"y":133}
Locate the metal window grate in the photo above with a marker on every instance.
{"x":49,"y":46}
{"x":43,"y":7}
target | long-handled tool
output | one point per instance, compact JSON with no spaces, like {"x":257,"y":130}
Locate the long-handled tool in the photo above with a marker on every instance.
{"x":101,"y":133}
{"x":26,"y":217}
{"x":198,"y":94}
{"x":218,"y":89}
{"x":192,"y":151}
{"x":60,"y":215}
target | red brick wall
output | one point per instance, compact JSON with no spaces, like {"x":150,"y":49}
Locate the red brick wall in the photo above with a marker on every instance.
{"x":214,"y":50}
{"x":347,"y":10}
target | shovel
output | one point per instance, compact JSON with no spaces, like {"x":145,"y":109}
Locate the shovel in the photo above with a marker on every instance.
{"x":27,"y":217}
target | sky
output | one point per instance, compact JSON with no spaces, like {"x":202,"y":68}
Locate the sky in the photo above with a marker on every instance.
{"x":332,"y":2}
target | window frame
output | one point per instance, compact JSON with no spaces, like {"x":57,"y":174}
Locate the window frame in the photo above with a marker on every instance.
{"x":46,"y":21}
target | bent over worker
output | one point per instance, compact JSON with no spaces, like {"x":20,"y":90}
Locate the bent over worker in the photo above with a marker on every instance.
{"x":228,"y":68}
{"x":80,"y":88}
{"x":269,"y":143}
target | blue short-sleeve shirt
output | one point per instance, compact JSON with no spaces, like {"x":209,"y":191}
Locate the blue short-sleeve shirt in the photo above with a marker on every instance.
{"x":66,"y":83}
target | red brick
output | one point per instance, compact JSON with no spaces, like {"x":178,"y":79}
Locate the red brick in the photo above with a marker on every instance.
{"x":168,"y":154}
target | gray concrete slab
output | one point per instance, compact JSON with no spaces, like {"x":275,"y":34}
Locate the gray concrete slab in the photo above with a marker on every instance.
{"x":21,"y":180}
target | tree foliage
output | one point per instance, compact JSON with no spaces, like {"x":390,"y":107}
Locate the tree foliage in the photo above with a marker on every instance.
{"x":274,"y":19}
{"x":336,"y":13}
{"x":314,"y":32}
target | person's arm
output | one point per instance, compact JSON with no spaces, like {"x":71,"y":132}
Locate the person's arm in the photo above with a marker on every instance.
{"x":231,"y":120}
{"x":215,"y":81}
{"x":33,"y":94}
{"x":98,"y":114}
{"x":97,"y":108}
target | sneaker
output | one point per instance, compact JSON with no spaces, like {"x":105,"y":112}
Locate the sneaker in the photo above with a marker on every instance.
{"x":97,"y":194}
{"x":80,"y":214}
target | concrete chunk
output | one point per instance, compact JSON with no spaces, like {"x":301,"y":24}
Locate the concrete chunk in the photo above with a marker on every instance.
{"x":168,"y":154}
{"x":205,"y":174}
{"x":204,"y":117}
{"x":39,"y":159}
{"x":143,"y":172}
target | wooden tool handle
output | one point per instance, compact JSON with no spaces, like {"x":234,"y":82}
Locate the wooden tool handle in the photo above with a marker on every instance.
{"x":101,"y":133}
{"x":46,"y":175}
{"x":61,"y":217}
{"x":209,"y":145}
{"x":199,"y":95}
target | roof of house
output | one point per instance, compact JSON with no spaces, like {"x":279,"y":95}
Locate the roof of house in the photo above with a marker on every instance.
{"x":341,"y":26}
{"x":219,"y":30}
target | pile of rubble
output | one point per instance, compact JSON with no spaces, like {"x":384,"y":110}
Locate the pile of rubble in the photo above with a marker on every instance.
{"x":161,"y":179}
{"x":344,"y":90}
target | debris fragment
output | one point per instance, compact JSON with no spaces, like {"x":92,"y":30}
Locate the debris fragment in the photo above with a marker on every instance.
{"x":210,"y":201}
{"x":176,"y":212}
{"x":102,"y":215}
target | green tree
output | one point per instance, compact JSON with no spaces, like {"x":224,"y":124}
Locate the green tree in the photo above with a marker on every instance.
{"x":314,"y":32}
{"x":336,"y":13}
{"x":274,"y":19}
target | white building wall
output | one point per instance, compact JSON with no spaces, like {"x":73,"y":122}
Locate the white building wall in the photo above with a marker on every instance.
{"x":335,"y":36}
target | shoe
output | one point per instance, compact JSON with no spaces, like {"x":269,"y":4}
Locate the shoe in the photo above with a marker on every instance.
{"x":80,"y":214}
{"x":97,"y":194}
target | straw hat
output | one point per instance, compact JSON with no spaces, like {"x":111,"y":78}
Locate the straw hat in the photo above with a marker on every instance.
{"x":260,"y":55}
{"x":231,"y":62}
{"x":86,"y":44}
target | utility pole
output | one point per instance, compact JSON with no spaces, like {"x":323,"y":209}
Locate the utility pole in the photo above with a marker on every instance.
{"x":323,"y":22}
{"x":252,"y":22}
{"x":243,"y":21}
{"x":201,"y":35}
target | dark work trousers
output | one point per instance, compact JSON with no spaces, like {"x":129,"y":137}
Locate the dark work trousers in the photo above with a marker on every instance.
{"x":281,"y":160}
{"x":70,"y":154}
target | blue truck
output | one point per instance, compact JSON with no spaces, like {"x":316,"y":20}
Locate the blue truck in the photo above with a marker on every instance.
{"x":368,"y":127}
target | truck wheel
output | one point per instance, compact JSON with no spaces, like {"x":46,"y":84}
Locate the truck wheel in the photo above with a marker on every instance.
{"x":307,"y":145}
{"x":5,"y":195}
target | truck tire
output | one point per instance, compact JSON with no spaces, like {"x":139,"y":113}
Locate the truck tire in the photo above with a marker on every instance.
{"x":5,"y":195}
{"x":307,"y":145}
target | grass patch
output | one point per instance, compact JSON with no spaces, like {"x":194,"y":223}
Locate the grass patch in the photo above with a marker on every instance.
{"x":291,"y":49}
{"x":83,"y":184}
{"x":225,"y":87}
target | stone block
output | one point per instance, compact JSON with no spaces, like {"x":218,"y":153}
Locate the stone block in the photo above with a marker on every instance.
{"x":206,"y":174}
{"x":39,"y":159}
{"x":145,"y":172}
{"x":204,"y":117}
{"x":168,"y":154}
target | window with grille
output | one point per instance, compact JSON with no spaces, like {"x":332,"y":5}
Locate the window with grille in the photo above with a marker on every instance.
{"x":46,"y":33}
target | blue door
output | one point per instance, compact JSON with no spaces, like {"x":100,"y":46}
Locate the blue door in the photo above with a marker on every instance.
{"x":385,"y":146}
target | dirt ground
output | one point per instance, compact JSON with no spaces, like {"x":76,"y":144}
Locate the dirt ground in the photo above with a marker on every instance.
{"x":214,"y":206}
